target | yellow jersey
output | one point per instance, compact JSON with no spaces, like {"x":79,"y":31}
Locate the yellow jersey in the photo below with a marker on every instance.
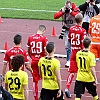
{"x":48,"y":67}
{"x":85,"y":60}
{"x":15,"y":81}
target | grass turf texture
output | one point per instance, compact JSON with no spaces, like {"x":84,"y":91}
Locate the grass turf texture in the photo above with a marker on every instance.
{"x":29,"y":6}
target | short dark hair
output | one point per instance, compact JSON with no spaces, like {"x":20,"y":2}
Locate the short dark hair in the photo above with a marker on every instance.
{"x":41,"y":27}
{"x":50,"y":47}
{"x":79,"y":18}
{"x":17,"y":61}
{"x":17,"y":39}
{"x":68,"y":1}
{"x":86,"y":42}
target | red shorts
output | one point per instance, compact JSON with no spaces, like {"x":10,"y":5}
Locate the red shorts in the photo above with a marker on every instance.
{"x":73,"y":66}
{"x":35,"y":74}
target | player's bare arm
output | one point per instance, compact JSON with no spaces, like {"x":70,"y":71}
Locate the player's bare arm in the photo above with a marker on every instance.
{"x":94,"y":74}
{"x":4,"y":69}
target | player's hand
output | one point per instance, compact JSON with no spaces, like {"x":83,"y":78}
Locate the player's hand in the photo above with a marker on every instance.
{"x":61,"y":36}
{"x":96,"y":82}
{"x":59,"y":94}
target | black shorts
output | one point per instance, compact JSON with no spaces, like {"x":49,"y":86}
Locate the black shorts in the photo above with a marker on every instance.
{"x":80,"y":88}
{"x":47,"y":94}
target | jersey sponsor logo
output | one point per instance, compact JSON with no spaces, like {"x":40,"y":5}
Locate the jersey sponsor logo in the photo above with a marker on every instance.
{"x":83,"y":71}
{"x":48,"y":78}
{"x":90,"y":14}
{"x":68,"y":21}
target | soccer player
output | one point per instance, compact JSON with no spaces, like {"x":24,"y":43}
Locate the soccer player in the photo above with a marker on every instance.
{"x":36,"y":49}
{"x":68,"y":13}
{"x":94,"y":31}
{"x":12,"y":52}
{"x":49,"y":69}
{"x":86,"y":76}
{"x":75,"y":37}
{"x":16,"y":80}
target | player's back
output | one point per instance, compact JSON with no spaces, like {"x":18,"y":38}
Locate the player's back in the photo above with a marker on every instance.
{"x":85,"y":59}
{"x":15,"y":81}
{"x":48,"y":67}
{"x":12,"y":52}
{"x":94,"y":29}
{"x":76,"y":36}
{"x":37,"y":42}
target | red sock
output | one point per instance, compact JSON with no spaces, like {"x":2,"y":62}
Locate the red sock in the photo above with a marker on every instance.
{"x":69,"y":80}
{"x":35,"y":90}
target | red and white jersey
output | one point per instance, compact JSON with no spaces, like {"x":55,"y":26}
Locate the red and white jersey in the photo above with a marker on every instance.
{"x":37,"y":43}
{"x":75,"y":37}
{"x":12,"y":52}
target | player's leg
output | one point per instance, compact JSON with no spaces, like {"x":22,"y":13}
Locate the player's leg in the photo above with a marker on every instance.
{"x":69,"y":80}
{"x":68,"y":83}
{"x":72,"y":69}
{"x":92,"y":90}
{"x":35,"y":90}
{"x":68,"y":49}
{"x":36,"y":78}
{"x":79,"y":89}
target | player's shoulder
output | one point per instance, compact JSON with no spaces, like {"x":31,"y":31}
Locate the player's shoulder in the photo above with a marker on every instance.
{"x":42,"y":58}
{"x":91,"y":54}
{"x":55,"y":60}
{"x":8,"y":72}
{"x":9,"y":50}
{"x":23,"y":73}
{"x":79,"y":51}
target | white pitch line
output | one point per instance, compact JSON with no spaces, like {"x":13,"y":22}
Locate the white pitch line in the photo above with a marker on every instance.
{"x":15,"y":9}
{"x":20,"y":32}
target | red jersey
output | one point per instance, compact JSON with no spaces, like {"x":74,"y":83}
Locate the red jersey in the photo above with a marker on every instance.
{"x":75,"y":37}
{"x":12,"y":52}
{"x":37,"y":43}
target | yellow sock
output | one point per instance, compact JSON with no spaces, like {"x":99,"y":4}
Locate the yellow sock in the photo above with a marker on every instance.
{"x":95,"y":97}
{"x":77,"y":99}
